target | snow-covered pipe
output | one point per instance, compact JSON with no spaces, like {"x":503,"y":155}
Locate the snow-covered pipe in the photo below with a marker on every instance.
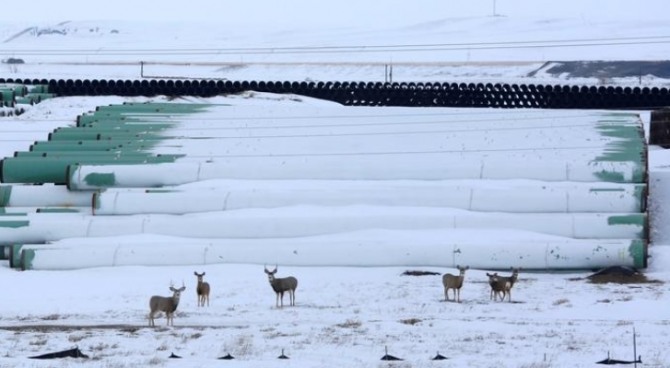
{"x":380,"y":167}
{"x":304,"y":119}
{"x":54,"y":169}
{"x":42,"y":196}
{"x":337,"y":141}
{"x":309,"y":221}
{"x":486,"y":196}
{"x":13,"y":211}
{"x":490,"y":250}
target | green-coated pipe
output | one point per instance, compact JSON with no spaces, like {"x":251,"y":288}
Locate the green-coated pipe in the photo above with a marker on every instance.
{"x":88,"y":134}
{"x":27,"y":100}
{"x":92,"y":145}
{"x":58,"y":210}
{"x":121,"y":127}
{"x":142,"y":125}
{"x":109,"y":127}
{"x":37,"y":170}
{"x":156,"y":107}
{"x":43,"y":96}
{"x":20,"y":90}
{"x":93,"y":122}
{"x":7,"y":95}
{"x":116,"y":155}
{"x":131,"y":136}
{"x":14,"y":255}
{"x":38,"y":88}
{"x":13,"y":223}
{"x":76,"y":154}
{"x":86,"y":119}
{"x":5,"y":195}
{"x":26,"y":257}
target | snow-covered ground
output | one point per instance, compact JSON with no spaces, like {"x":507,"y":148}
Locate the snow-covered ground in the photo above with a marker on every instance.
{"x":344,"y":316}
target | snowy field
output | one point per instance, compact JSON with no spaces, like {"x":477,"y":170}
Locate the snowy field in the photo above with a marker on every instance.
{"x":344,"y":316}
{"x":427,"y":40}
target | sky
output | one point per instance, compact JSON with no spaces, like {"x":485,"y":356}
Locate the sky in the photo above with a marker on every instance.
{"x":322,"y":12}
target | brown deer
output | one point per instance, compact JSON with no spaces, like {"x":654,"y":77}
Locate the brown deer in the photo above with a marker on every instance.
{"x":503,"y":285}
{"x":497,"y":287}
{"x":281,"y":285}
{"x":454,"y":282}
{"x":202,"y":290}
{"x":165,"y":304}
{"x":509,"y":283}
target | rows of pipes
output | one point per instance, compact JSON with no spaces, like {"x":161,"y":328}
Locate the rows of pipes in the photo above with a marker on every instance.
{"x":442,"y":94}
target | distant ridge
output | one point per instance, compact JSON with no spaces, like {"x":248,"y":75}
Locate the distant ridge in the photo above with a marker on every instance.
{"x":605,"y":69}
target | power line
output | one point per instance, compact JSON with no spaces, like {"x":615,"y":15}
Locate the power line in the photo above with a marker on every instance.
{"x":586,"y":42}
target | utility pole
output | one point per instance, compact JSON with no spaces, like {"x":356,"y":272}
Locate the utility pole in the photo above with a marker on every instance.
{"x":494,"y":8}
{"x":635,"y":350}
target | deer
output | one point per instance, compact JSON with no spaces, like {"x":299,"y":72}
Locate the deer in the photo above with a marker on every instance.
{"x":503,"y":285}
{"x":454,"y":282}
{"x":202,"y":290}
{"x":281,"y":285}
{"x":509,"y":283}
{"x":165,"y":304}
{"x":497,"y":287}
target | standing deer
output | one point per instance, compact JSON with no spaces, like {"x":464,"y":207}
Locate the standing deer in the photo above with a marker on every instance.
{"x":165,"y":304}
{"x":503,"y":285}
{"x":202,"y":290}
{"x":281,"y":285}
{"x":509,"y":283}
{"x":497,"y":287}
{"x":454,"y":282}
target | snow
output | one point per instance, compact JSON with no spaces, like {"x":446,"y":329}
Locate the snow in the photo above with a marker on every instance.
{"x":345,"y":316}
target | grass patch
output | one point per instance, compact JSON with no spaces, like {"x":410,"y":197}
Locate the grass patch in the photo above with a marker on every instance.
{"x":76,"y":338}
{"x":41,"y":341}
{"x":561,"y":301}
{"x":420,"y":273}
{"x":51,"y":317}
{"x":620,"y":275}
{"x":410,"y":321}
{"x":155,"y":361}
{"x":350,"y":323}
{"x":638,"y":278}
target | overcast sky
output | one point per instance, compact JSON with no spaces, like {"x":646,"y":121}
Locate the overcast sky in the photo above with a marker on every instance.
{"x":317,"y":11}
